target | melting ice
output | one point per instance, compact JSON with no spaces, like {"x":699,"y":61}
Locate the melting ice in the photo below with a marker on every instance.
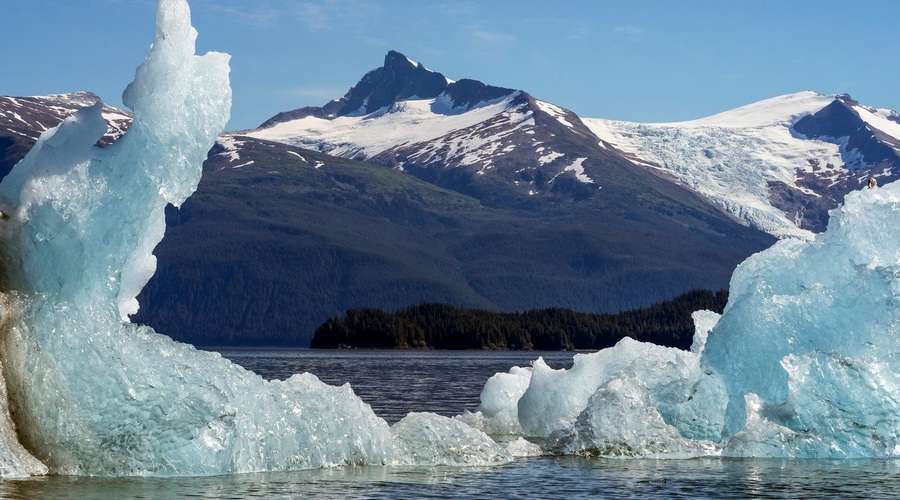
{"x":802,"y":363}
{"x":92,"y":394}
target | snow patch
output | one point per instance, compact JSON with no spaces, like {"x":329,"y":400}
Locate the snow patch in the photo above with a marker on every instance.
{"x":298,"y":155}
{"x":578,"y":168}
{"x":231,"y":147}
{"x":549,"y":157}
{"x":780,"y":110}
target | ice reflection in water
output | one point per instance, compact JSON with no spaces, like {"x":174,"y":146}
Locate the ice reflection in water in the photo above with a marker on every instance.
{"x":536,"y":478}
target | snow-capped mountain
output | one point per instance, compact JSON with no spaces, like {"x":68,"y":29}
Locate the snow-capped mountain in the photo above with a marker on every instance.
{"x":452,"y":133}
{"x":780,"y":164}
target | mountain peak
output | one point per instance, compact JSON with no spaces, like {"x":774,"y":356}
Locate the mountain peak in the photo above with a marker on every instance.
{"x":394,"y":59}
{"x":400,"y":78}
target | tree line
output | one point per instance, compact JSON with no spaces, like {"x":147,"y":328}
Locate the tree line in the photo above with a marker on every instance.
{"x":440,"y":326}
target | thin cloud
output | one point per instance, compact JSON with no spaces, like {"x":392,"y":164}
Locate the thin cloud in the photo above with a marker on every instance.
{"x":322,"y":94}
{"x":257,"y":16}
{"x":631,"y":32}
{"x":581,"y":32}
{"x":494,"y":39}
{"x":455,"y":9}
{"x":314,"y":16}
{"x":330,"y":15}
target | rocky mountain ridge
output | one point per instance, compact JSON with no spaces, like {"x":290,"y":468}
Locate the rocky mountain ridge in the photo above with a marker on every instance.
{"x":779,"y":165}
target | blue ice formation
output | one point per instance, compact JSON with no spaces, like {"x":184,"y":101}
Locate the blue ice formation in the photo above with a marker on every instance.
{"x":804,"y":362}
{"x":801,"y":364}
{"x":89,"y":393}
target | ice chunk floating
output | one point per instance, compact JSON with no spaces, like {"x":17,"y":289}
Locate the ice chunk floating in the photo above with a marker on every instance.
{"x":805,"y":362}
{"x":89,"y":393}
{"x":802,"y":363}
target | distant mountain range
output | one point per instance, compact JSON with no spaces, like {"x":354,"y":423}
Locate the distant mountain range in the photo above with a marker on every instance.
{"x":492,"y":143}
{"x":779,"y":164}
{"x":416,"y":188}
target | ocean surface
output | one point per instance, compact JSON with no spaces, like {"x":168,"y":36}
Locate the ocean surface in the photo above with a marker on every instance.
{"x":448,"y":382}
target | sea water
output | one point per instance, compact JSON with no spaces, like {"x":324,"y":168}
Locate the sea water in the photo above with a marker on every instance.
{"x":449,"y":382}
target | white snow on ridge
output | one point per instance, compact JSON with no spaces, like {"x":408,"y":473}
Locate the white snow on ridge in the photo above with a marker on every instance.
{"x":733,"y":156}
{"x":35,"y":136}
{"x":555,"y":111}
{"x":360,"y":137}
{"x":878,"y":121}
{"x":117,"y":122}
{"x":784,"y":109}
{"x":60,"y":106}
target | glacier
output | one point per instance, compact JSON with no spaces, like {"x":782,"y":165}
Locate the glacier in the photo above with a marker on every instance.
{"x":802,"y":363}
{"x":733,"y":157}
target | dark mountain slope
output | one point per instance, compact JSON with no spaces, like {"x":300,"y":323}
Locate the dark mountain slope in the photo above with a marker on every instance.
{"x":263,"y":253}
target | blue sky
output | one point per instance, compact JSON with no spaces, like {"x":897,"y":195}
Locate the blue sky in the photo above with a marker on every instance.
{"x":647,"y":61}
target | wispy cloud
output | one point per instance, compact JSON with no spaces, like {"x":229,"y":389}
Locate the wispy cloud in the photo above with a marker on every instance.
{"x":330,"y":15}
{"x":631,"y":32}
{"x":319,"y":94}
{"x":494,"y":38}
{"x":258,"y":16}
{"x":455,"y":9}
{"x":315,"y":16}
{"x":580,"y":32}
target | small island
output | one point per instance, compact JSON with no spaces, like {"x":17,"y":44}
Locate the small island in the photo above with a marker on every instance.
{"x":440,"y":326}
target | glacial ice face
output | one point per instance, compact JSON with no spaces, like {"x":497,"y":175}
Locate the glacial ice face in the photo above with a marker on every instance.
{"x":91,"y":394}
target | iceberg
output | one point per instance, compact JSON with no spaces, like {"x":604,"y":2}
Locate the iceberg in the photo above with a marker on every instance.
{"x":804,"y":361}
{"x":84,"y":391}
{"x":809,"y":344}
